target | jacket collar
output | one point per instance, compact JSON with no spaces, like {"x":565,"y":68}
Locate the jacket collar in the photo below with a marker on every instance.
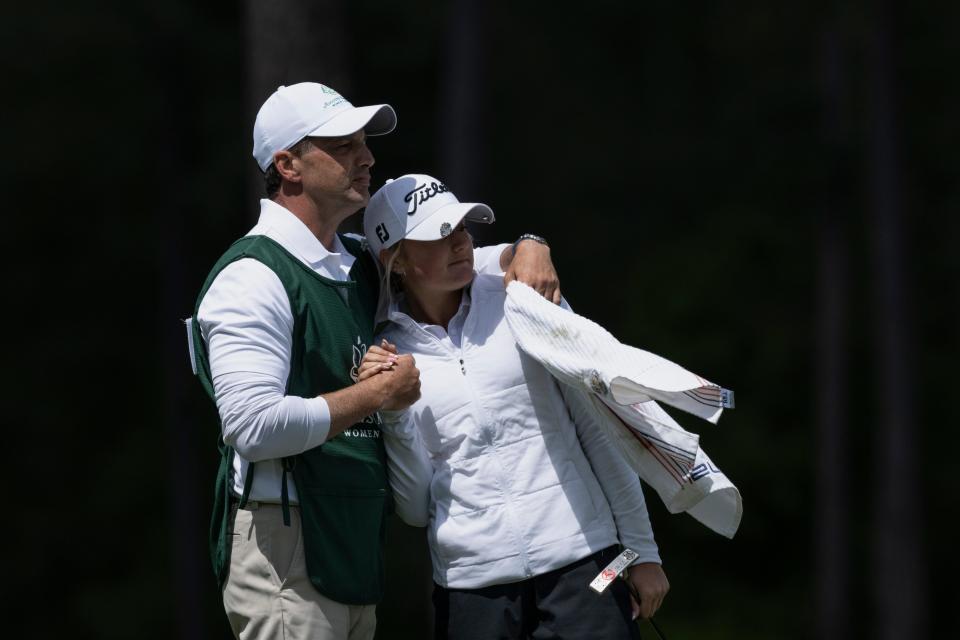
{"x":397,"y":313}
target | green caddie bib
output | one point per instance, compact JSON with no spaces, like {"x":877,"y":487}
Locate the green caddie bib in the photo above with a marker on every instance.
{"x":342,"y":484}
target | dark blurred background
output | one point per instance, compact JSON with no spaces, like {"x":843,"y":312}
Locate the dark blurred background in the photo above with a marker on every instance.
{"x":760,"y":191}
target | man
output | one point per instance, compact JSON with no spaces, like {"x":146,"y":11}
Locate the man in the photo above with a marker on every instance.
{"x":278,"y":332}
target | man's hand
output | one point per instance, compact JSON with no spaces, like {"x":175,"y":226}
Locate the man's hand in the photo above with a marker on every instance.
{"x":385,"y":381}
{"x":530,"y":263}
{"x":648,"y":581}
{"x":402,"y":384}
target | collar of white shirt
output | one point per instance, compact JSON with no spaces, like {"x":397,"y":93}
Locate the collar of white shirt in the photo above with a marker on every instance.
{"x":278,"y":223}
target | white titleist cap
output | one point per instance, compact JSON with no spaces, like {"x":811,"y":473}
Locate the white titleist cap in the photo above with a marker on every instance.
{"x":292,"y":113}
{"x":416,"y":207}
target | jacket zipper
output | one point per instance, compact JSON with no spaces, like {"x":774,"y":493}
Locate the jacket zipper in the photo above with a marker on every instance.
{"x":508,"y":501}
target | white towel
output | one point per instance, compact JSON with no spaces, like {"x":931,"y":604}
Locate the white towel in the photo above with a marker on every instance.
{"x":696,"y":486}
{"x":623,"y":381}
{"x":574,"y":346}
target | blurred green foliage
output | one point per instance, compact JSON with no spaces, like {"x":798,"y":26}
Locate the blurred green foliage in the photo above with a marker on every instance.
{"x":674,"y":156}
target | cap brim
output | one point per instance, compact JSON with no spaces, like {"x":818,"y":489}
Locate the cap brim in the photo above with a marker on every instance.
{"x":376,"y":120}
{"x":432,"y":228}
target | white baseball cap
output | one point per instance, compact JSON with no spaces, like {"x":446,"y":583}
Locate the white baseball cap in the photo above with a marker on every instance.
{"x":416,"y":207}
{"x":292,"y":113}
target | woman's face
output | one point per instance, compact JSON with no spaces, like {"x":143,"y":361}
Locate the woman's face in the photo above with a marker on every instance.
{"x":437,"y":266}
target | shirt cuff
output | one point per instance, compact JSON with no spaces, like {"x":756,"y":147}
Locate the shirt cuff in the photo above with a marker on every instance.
{"x":649,"y":558}
{"x":487,"y":259}
{"x":318,"y":417}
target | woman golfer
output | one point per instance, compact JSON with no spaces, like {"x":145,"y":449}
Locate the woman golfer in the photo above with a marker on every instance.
{"x":524,"y":500}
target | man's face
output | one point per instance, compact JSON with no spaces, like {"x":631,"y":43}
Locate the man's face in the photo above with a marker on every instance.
{"x":336,"y":171}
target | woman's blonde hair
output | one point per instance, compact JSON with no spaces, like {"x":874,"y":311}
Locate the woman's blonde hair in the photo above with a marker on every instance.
{"x":390,"y":283}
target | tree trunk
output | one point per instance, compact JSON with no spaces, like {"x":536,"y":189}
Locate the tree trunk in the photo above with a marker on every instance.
{"x":831,"y":522}
{"x":189,"y":574}
{"x":900,"y":576}
{"x":461,"y":110}
{"x":287,"y":42}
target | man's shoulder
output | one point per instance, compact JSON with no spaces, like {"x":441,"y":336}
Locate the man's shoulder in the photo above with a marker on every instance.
{"x":266,"y":250}
{"x":250,"y":262}
{"x":249,"y":246}
{"x":254,"y":244}
{"x":245,"y":267}
{"x":243,"y":288}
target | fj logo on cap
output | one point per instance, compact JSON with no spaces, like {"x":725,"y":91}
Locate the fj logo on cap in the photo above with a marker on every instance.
{"x":423,"y":193}
{"x":382,"y":232}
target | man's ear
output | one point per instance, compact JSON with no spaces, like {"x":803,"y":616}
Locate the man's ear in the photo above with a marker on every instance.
{"x":286,"y":167}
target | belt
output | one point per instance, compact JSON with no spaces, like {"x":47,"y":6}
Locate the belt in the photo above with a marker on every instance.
{"x":253,"y":505}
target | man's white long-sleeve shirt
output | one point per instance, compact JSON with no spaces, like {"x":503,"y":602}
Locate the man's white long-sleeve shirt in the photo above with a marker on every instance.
{"x":246,"y":322}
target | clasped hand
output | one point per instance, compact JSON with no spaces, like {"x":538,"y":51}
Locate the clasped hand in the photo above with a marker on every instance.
{"x":402,"y":378}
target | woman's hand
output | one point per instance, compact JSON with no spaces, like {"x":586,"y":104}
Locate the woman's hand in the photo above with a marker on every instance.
{"x":377,"y":359}
{"x":648,"y":583}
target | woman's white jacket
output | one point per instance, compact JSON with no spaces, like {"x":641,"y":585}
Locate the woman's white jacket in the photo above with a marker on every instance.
{"x":502,"y":463}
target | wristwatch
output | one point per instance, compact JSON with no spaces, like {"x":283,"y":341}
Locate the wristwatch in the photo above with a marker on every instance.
{"x":529,"y":236}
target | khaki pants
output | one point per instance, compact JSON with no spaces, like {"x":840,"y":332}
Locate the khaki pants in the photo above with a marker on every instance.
{"x":268,"y":593}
